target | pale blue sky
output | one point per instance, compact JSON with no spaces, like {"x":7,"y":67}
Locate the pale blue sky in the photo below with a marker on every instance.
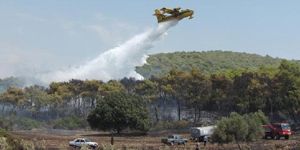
{"x":38,"y":35}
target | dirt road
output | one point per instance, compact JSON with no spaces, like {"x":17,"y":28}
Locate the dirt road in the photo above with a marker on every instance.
{"x":58,"y":139}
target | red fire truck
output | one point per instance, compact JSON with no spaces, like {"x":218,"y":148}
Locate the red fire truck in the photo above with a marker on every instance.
{"x":277,"y":130}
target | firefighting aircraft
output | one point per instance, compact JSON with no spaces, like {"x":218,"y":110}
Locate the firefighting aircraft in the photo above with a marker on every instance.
{"x":174,"y":13}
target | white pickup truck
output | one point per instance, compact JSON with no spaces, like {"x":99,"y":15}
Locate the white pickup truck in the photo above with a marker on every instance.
{"x":79,"y":142}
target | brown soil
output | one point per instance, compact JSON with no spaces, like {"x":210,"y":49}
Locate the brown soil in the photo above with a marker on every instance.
{"x":59,"y":139}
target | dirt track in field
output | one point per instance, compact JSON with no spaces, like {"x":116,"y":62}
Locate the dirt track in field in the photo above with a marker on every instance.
{"x":59,"y":139}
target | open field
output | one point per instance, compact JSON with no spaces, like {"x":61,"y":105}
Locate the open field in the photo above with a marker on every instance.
{"x":58,"y":139}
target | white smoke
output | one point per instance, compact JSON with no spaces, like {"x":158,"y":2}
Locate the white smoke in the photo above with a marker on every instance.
{"x":115,"y":63}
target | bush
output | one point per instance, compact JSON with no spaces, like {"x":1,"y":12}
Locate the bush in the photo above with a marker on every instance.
{"x":70,"y":123}
{"x":6,"y":124}
{"x":229,"y":129}
{"x":255,"y":122}
{"x":3,"y":143}
{"x":21,"y":123}
{"x":8,"y":142}
{"x":107,"y":147}
{"x":27,"y":124}
{"x":167,"y":125}
{"x":3,"y":133}
{"x":237,"y":128}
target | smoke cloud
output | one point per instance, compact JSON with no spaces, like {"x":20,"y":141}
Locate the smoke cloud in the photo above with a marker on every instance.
{"x":115,"y":63}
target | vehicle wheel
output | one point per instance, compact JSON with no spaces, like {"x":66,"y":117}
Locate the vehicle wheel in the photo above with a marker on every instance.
{"x":286,"y":137}
{"x":277,"y":137}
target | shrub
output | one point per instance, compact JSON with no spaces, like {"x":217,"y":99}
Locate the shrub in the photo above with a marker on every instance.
{"x":27,"y":123}
{"x":21,"y":123}
{"x":181,"y":124}
{"x":6,"y":124}
{"x":3,"y":143}
{"x":229,"y":129}
{"x":8,"y":142}
{"x":237,"y":128}
{"x":106,"y":147}
{"x":255,"y":121}
{"x":70,"y":123}
{"x":166,"y":125}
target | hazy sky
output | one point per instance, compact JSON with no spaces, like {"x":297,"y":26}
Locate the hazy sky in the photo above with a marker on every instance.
{"x":40,"y":35}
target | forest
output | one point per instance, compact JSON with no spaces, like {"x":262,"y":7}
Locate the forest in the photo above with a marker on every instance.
{"x":207,"y":61}
{"x":179,"y":96}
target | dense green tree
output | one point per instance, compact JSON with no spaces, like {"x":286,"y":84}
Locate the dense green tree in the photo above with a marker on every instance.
{"x":118,"y":111}
{"x":220,"y":99}
{"x":173,"y":84}
{"x":38,"y":98}
{"x":110,"y":87}
{"x":287,"y":87}
{"x":129,"y":84}
{"x":198,"y":90}
{"x":149,"y":90}
{"x":90,"y":93}
{"x":14,"y":97}
{"x":249,"y":92}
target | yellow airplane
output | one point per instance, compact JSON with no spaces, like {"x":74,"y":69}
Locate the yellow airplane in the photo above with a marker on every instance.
{"x":175,"y":13}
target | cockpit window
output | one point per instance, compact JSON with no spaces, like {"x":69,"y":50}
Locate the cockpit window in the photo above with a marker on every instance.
{"x":285,"y":127}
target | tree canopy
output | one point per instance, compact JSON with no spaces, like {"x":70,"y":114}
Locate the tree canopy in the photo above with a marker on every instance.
{"x":118,"y":111}
{"x":177,"y":95}
{"x":209,"y":62}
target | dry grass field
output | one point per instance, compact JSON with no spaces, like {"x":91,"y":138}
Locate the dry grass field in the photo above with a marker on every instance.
{"x":58,"y":139}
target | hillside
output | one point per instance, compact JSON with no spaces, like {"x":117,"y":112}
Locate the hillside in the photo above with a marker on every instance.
{"x":207,"y":62}
{"x":161,"y":63}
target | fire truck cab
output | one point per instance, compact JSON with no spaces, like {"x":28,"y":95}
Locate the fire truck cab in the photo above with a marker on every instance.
{"x":277,"y":130}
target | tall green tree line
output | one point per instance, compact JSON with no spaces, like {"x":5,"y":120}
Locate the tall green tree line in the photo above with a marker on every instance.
{"x":271,"y":90}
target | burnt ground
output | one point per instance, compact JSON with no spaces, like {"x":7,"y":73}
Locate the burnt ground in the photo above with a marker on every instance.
{"x":58,"y":139}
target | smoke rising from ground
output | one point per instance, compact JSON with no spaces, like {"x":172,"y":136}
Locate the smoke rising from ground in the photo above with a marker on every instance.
{"x":115,"y":63}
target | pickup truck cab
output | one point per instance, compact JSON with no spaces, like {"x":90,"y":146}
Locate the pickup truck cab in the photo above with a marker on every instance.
{"x":79,"y":142}
{"x":174,"y":139}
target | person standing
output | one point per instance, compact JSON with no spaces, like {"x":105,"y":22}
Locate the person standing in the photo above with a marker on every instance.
{"x":197,"y":146}
{"x":205,"y":140}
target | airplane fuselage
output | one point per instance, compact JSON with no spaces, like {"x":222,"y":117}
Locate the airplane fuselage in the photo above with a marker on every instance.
{"x":182,"y":14}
